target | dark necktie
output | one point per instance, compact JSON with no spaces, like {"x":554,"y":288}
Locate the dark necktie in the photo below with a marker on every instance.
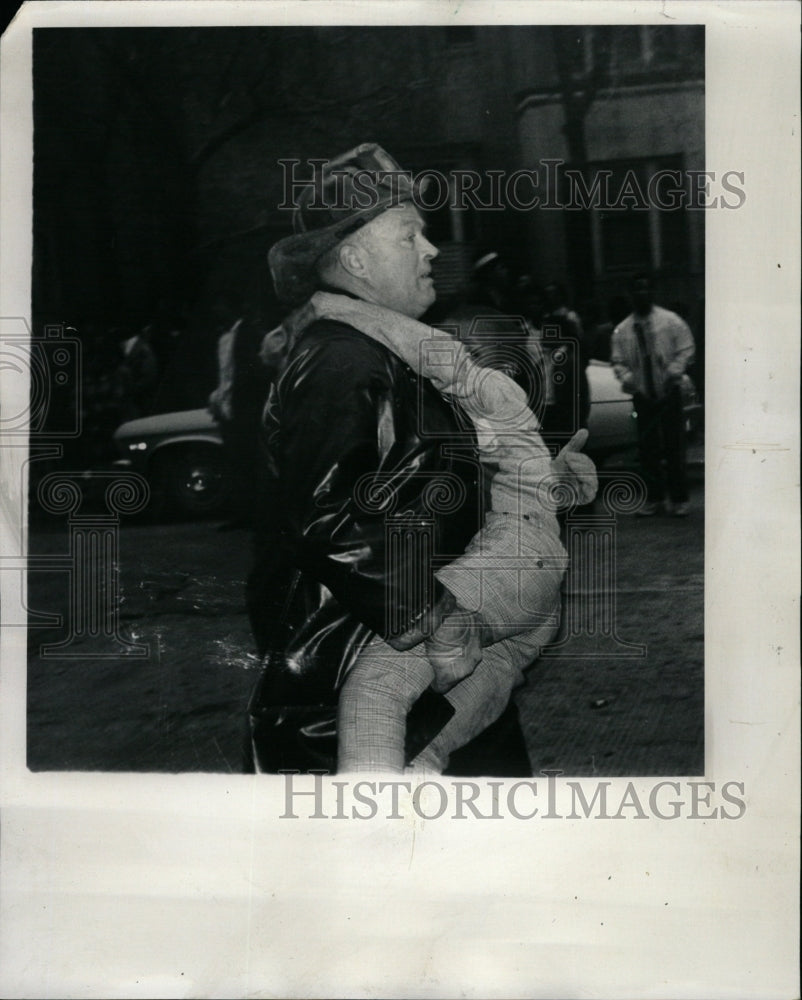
{"x":647,"y":361}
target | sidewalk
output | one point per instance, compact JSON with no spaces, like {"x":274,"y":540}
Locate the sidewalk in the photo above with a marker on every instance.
{"x":182,"y":708}
{"x":594,"y":708}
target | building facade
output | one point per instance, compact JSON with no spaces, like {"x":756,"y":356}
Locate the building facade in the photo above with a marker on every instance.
{"x":629,"y":199}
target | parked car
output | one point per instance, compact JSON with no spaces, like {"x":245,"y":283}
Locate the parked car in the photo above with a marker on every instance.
{"x":182,"y":456}
{"x":611,"y":424}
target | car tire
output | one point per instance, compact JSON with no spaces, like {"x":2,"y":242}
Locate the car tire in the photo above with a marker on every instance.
{"x":194,"y":480}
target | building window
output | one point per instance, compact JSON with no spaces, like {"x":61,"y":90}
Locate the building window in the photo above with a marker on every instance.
{"x":637,"y":232}
{"x":635,"y":50}
{"x":629,"y":46}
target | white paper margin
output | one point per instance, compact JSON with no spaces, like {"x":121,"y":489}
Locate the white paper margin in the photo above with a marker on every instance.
{"x":192,"y":886}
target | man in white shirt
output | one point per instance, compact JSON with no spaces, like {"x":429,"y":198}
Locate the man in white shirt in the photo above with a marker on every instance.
{"x":650,"y":351}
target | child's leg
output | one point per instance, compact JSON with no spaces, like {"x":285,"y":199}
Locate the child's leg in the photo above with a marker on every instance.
{"x":510,"y":575}
{"x":478,"y":700}
{"x":378,"y":692}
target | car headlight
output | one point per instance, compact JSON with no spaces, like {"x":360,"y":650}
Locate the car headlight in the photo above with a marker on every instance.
{"x":137,"y":446}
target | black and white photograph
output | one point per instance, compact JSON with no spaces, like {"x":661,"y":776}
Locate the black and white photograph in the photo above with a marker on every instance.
{"x":554,"y":173}
{"x":398,"y":439}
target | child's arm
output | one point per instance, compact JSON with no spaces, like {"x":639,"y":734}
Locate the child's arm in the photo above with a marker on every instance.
{"x":492,"y":399}
{"x":403,"y":335}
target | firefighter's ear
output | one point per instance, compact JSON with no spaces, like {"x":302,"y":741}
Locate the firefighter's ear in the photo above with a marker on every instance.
{"x":353,"y":260}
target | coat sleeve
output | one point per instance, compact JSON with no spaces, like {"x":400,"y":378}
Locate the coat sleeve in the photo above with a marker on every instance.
{"x":337,"y":430}
{"x":684,"y":348}
{"x":618,"y":359}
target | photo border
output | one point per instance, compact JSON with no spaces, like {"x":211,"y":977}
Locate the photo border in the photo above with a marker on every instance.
{"x":192,"y":885}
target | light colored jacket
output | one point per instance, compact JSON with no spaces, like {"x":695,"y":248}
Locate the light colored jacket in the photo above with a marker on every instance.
{"x":669,"y":341}
{"x":221,"y":403}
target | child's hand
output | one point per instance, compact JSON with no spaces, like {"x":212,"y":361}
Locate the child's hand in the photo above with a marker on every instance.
{"x":577,"y":469}
{"x":454,"y":650}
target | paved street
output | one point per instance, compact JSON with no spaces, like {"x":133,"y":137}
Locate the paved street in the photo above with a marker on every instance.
{"x":181,"y":708}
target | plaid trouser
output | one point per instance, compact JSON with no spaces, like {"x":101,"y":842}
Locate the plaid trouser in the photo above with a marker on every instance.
{"x":384,"y":683}
{"x":499,"y":577}
{"x":510,"y":575}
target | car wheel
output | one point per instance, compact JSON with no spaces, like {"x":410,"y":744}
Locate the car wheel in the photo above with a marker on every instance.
{"x":195,"y":480}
